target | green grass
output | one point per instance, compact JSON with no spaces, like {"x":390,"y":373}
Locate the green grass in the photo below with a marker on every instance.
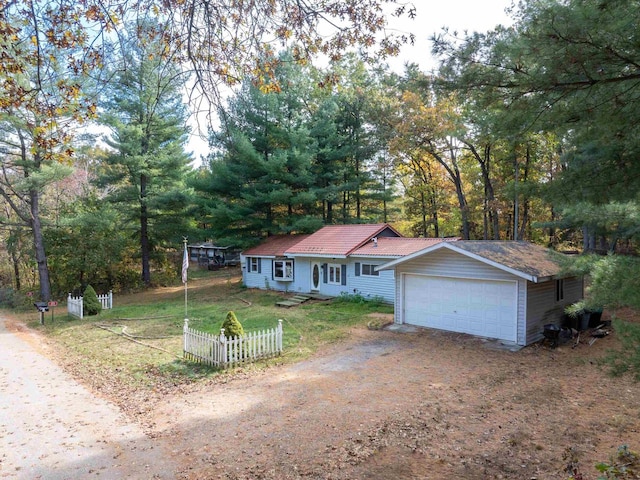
{"x":156,"y":318}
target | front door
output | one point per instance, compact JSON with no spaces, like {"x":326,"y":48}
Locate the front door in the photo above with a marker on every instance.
{"x":315,"y":277}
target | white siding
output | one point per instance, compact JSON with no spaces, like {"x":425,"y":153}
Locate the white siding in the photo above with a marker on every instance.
{"x":381,"y":286}
{"x":302,"y":276}
{"x":264,"y":280}
{"x":368,"y":286}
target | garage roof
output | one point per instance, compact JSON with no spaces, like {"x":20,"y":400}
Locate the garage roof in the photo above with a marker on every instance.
{"x":523,"y":259}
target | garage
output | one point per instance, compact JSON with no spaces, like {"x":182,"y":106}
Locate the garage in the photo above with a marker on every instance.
{"x":507,"y":290}
{"x":479,"y":307}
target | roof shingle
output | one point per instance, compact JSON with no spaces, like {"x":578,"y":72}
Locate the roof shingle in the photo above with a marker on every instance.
{"x":524,"y":257}
{"x":397,"y":246}
{"x":339,"y":240}
{"x":274,"y":246}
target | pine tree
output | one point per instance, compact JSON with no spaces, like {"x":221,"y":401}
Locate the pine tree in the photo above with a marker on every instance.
{"x":259,"y":181}
{"x":146,"y":171}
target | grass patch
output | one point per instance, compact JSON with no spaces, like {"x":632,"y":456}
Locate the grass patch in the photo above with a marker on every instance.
{"x":155,"y":318}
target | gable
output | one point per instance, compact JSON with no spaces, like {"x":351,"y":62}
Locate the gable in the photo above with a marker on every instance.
{"x":522,"y":259}
{"x":448,"y":263}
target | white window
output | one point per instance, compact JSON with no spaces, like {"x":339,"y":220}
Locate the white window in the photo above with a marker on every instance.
{"x":254,"y":264}
{"x":368,"y":269}
{"x":334,"y":274}
{"x":283,"y":270}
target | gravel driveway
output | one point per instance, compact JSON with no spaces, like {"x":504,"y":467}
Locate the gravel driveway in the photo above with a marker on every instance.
{"x":52,"y":428}
{"x":379,"y":405}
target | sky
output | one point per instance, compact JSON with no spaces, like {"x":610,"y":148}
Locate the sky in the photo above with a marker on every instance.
{"x":431,"y":17}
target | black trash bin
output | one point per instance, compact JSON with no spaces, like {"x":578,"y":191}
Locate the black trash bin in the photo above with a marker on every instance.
{"x":595,"y":318}
{"x":551,"y":332}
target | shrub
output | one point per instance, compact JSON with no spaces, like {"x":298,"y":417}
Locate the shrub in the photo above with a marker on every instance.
{"x":8,"y":297}
{"x":90,"y":303}
{"x":627,"y":358}
{"x":232,"y":327}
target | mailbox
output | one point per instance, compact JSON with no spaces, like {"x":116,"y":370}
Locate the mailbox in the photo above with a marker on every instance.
{"x":42,"y":306}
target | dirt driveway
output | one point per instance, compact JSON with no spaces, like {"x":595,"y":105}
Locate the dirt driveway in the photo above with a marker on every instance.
{"x":425,"y":405}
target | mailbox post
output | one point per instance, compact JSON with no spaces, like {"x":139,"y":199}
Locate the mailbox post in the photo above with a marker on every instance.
{"x":52,"y":304}
{"x":42,"y":307}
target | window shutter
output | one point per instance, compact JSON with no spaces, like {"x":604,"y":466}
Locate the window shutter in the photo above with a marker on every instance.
{"x":259,"y":265}
{"x":343,"y":273}
{"x":324,"y":273}
{"x":357,"y":269}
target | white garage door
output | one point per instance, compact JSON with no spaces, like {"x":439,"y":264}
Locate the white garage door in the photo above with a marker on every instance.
{"x":480,"y":307}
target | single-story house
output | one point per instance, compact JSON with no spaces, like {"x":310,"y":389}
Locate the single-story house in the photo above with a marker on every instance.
{"x":506,"y":290}
{"x":335,"y":260}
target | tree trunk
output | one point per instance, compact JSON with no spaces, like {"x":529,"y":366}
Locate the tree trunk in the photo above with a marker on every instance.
{"x":490,"y":213}
{"x":144,"y":232}
{"x":38,"y":245}
{"x":525,"y":206}
{"x":423,"y":215}
{"x":456,"y":179}
{"x":16,"y":269}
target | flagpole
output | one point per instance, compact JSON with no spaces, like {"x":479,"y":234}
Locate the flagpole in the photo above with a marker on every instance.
{"x":185,"y":267}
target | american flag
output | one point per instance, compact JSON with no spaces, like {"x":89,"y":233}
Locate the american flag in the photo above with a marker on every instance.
{"x":185,"y":265}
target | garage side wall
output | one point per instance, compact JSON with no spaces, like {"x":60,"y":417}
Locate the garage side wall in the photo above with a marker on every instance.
{"x":543,"y":308}
{"x":447,"y":263}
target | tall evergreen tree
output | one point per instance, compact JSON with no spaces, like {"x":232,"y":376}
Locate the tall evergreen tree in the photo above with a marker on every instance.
{"x":146,"y":115}
{"x":259,"y":180}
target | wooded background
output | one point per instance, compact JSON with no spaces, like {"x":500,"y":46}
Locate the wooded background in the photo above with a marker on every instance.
{"x":527,"y":132}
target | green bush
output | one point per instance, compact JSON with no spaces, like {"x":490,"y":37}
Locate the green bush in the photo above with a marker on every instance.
{"x":8,"y":297}
{"x":90,"y":303}
{"x":232,"y":327}
{"x":627,"y":358}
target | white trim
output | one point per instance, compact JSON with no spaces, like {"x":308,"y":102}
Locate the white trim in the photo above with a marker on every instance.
{"x":525,"y":313}
{"x":363,"y":255}
{"x":452,"y":246}
{"x":313,"y":255}
{"x":287,"y":267}
{"x":373,"y":271}
{"x":515,"y":299}
{"x":339,"y":268}
{"x":250,"y":266}
{"x":318,"y":265}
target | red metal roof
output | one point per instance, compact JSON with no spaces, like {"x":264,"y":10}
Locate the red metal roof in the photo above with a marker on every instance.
{"x":397,"y":246}
{"x":274,"y":246}
{"x":340,"y":240}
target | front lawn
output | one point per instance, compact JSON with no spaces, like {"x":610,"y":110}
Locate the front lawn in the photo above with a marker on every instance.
{"x":139,"y":342}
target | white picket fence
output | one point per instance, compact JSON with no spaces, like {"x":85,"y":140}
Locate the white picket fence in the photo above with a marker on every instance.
{"x":223,"y":351}
{"x":74,"y":304}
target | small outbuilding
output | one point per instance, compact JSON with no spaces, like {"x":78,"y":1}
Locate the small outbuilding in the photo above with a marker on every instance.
{"x":506,"y":290}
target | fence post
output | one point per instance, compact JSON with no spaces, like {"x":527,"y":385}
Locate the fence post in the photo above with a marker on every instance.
{"x":110,"y":299}
{"x":279,"y":337}
{"x":223,"y":348}
{"x":185,"y":333}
